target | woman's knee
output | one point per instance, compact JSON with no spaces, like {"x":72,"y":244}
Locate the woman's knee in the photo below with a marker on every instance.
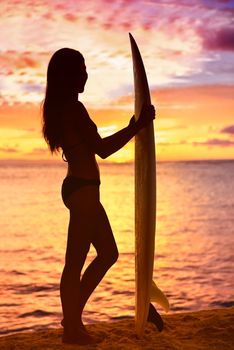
{"x":114,"y":256}
{"x":109,"y":257}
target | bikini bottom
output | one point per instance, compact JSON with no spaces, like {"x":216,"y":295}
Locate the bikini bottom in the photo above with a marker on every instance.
{"x":73,"y":183}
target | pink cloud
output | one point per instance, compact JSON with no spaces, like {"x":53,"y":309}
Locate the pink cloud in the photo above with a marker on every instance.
{"x":8,"y":150}
{"x":147,"y":14}
{"x":11,"y":61}
{"x":38,"y":151}
{"x":228,"y":130}
{"x":70,"y":17}
{"x":214,"y":142}
{"x":90,"y":19}
{"x":107,"y":25}
{"x":48,"y":16}
{"x":222,"y":39}
{"x":126,"y":25}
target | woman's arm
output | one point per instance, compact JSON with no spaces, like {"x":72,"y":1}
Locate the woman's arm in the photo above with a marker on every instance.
{"x":104,"y":147}
{"x":115,"y":142}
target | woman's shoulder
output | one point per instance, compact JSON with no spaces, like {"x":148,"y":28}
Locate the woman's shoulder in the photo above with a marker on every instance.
{"x":74,"y":110}
{"x":79,"y":106}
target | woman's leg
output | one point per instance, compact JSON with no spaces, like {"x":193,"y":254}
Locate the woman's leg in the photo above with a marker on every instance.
{"x":83,"y":214}
{"x":76,"y":252}
{"x":88,"y":224}
{"x":107,"y":254}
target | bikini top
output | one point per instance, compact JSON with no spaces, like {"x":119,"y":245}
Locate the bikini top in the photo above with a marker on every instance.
{"x":77,"y":144}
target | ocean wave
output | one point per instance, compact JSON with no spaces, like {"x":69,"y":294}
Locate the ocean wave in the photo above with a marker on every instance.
{"x":124,"y":317}
{"x":6,"y":331}
{"x":33,"y":288}
{"x":36,"y":313}
{"x":222,"y":304}
{"x":8,"y":304}
{"x":14,"y":330}
{"x":16,"y":272}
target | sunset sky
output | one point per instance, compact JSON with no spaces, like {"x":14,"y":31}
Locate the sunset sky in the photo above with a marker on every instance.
{"x":188,"y":51}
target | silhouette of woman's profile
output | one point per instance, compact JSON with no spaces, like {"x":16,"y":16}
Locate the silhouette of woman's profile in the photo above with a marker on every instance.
{"x":68,"y":127}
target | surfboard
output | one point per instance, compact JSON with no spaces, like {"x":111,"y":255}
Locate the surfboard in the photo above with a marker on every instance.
{"x":145,"y":206}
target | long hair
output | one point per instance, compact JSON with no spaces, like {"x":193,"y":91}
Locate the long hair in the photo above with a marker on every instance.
{"x":62,"y":79}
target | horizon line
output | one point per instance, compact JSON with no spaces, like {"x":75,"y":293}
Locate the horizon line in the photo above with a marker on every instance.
{"x":101,"y":163}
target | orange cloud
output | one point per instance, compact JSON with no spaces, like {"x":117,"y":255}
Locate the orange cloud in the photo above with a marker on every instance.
{"x":191,"y":123}
{"x":13,"y":60}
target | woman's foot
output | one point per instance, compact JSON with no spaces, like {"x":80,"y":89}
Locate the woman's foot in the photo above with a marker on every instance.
{"x":79,"y":337}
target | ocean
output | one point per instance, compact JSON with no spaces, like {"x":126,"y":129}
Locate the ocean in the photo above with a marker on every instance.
{"x":194,"y":241}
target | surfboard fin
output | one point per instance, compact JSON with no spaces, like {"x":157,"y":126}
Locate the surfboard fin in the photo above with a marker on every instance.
{"x":155,"y":318}
{"x":159,"y":297}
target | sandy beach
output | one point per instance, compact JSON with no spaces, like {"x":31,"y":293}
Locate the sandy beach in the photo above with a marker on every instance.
{"x":208,"y":329}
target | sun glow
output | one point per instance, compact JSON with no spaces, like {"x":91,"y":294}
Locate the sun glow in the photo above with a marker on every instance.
{"x":190,"y":71}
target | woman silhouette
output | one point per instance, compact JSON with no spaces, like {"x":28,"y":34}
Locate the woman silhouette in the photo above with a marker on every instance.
{"x":67,"y":126}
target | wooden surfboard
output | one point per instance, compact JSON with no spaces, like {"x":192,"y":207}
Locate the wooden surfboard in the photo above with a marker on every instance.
{"x":145,"y":203}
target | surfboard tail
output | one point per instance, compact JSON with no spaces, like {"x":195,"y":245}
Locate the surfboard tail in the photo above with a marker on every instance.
{"x":159,"y":297}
